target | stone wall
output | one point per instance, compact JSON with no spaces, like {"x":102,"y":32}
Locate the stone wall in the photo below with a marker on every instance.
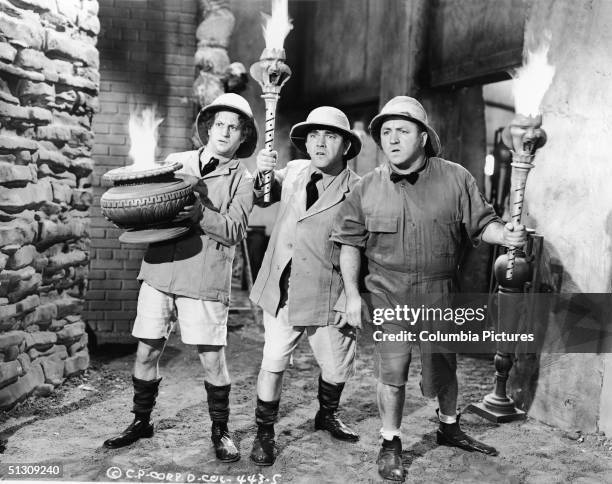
{"x":147,"y":57}
{"x":48,"y":94}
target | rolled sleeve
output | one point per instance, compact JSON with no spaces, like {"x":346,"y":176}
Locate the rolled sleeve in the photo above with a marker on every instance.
{"x":349,"y":225}
{"x":477,"y":212}
{"x":230,"y":228}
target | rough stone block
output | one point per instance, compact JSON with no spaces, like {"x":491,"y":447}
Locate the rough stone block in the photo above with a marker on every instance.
{"x":71,"y":332}
{"x":54,"y":158}
{"x":9,"y":372}
{"x":54,"y":133}
{"x":77,"y":82}
{"x":68,"y":305}
{"x":11,"y":174}
{"x":42,"y":315}
{"x":19,"y":72}
{"x":11,"y":144}
{"x":10,"y":354}
{"x":75,"y":364}
{"x":25,"y":288}
{"x":7,"y":52}
{"x":76,"y":151}
{"x":40,"y":341}
{"x":61,"y":45}
{"x":14,"y":200}
{"x":35,"y":93}
{"x":25,"y":361}
{"x":89,"y":23}
{"x":23,"y":32}
{"x":34,"y":60}
{"x":19,"y":390}
{"x":52,"y":233}
{"x":16,"y":232}
{"x":81,"y":136}
{"x":22,"y":257}
{"x":82,"y":167}
{"x":61,"y":193}
{"x":62,"y":260}
{"x":39,"y":6}
{"x":53,"y":369}
{"x":14,"y":114}
{"x":12,"y":338}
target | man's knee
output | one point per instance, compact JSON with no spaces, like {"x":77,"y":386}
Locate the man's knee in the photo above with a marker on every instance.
{"x":149,"y":351}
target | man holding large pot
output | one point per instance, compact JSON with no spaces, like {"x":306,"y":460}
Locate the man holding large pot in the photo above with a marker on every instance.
{"x":189,"y":277}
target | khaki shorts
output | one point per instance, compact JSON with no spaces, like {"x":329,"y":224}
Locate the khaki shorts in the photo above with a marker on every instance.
{"x":201,"y":322}
{"x":333,"y":348}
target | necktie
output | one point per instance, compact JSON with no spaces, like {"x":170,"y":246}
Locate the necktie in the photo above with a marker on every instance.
{"x":209,"y":167}
{"x":409,"y":177}
{"x":312,"y":194}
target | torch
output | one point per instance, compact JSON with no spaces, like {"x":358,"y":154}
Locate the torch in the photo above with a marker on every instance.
{"x":514,"y":269}
{"x":271,"y":73}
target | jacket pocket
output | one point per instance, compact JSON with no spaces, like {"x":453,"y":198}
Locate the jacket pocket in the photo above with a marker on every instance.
{"x":383,"y":238}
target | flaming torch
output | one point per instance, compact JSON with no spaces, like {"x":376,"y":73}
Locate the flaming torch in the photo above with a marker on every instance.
{"x":514,"y":269}
{"x":271,"y":73}
{"x":146,"y":195}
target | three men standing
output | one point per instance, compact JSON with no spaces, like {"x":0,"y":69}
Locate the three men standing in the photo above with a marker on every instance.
{"x":407,"y":218}
{"x":297,"y":286}
{"x":189,"y":277}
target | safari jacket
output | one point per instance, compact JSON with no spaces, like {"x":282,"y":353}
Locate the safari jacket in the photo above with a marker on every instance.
{"x":199,"y":264}
{"x":302,"y":236}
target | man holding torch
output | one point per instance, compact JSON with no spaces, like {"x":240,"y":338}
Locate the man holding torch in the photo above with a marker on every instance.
{"x":189,"y":277}
{"x":297,"y":286}
{"x":407,"y":217}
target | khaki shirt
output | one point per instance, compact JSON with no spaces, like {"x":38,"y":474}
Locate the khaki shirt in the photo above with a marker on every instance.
{"x":302,"y":237}
{"x":199,"y":264}
{"x":412,"y":233}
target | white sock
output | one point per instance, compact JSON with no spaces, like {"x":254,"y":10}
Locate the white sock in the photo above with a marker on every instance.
{"x":447,"y":419}
{"x":389,"y":434}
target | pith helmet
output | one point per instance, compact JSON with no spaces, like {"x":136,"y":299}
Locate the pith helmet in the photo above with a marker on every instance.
{"x":326,"y":117}
{"x":237,"y":104}
{"x":412,"y":110}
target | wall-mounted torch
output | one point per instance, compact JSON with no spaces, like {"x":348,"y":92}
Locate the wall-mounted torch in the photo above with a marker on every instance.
{"x":271,"y":73}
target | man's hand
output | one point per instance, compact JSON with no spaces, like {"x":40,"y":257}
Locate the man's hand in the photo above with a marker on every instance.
{"x":266,"y":160}
{"x":190,"y":213}
{"x":514,"y":235}
{"x":354,"y":312}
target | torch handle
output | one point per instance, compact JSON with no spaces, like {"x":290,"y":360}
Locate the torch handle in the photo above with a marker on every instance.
{"x":518,"y":180}
{"x":271,"y":100}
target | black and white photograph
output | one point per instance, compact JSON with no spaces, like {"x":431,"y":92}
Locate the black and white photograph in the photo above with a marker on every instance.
{"x":306,"y":241}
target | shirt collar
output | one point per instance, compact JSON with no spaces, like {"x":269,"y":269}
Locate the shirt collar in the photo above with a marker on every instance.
{"x":326,"y":180}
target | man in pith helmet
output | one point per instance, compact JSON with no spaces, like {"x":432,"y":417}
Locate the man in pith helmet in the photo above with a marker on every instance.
{"x":407,"y":217}
{"x":189,"y":278}
{"x":297,"y":286}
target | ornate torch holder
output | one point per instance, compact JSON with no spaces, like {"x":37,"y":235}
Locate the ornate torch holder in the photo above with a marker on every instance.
{"x":513,"y":270}
{"x":144,"y":202}
{"x":271,"y":73}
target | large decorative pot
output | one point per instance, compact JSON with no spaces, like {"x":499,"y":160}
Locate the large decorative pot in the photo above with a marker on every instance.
{"x":146,"y":201}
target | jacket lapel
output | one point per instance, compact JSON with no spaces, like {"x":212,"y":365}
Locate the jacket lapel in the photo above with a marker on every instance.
{"x":330,"y":197}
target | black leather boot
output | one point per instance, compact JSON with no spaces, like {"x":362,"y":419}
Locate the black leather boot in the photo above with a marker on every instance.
{"x":452,"y":436}
{"x":145,"y":393}
{"x":218,"y":408}
{"x":327,"y":417}
{"x":264,"y":447}
{"x":390,"y":460}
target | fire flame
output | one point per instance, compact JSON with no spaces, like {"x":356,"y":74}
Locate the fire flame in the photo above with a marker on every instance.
{"x":278,"y":25}
{"x":531,"y":81}
{"x":143,"y":137}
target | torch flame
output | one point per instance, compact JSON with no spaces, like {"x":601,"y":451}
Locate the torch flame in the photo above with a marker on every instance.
{"x":278,"y":25}
{"x":143,"y":138}
{"x":531,"y":81}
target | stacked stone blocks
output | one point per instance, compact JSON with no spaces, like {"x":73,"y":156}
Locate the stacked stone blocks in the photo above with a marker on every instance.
{"x":49,"y":82}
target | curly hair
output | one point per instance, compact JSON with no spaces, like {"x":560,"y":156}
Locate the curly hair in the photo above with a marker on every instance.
{"x":247,"y":129}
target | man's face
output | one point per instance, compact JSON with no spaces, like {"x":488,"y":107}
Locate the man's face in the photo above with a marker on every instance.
{"x":325,"y":148}
{"x":225,"y":135}
{"x":402,"y":141}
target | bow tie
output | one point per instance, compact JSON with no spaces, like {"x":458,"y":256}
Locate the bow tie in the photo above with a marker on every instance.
{"x":409,"y":177}
{"x":209,"y":167}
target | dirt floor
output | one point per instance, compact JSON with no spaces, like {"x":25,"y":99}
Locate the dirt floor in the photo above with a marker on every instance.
{"x":69,"y":427}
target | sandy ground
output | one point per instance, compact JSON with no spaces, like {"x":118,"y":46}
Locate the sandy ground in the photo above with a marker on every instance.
{"x":69,"y":428}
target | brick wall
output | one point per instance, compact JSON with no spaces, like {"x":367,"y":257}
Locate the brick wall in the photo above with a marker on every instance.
{"x":146,"y":57}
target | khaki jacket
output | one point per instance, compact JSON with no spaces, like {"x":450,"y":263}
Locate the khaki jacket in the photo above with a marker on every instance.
{"x":302,"y":236}
{"x":199,"y":264}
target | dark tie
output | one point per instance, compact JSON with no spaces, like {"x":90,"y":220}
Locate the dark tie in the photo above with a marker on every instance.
{"x":312,"y":194}
{"x":409,"y":177}
{"x":209,"y":167}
